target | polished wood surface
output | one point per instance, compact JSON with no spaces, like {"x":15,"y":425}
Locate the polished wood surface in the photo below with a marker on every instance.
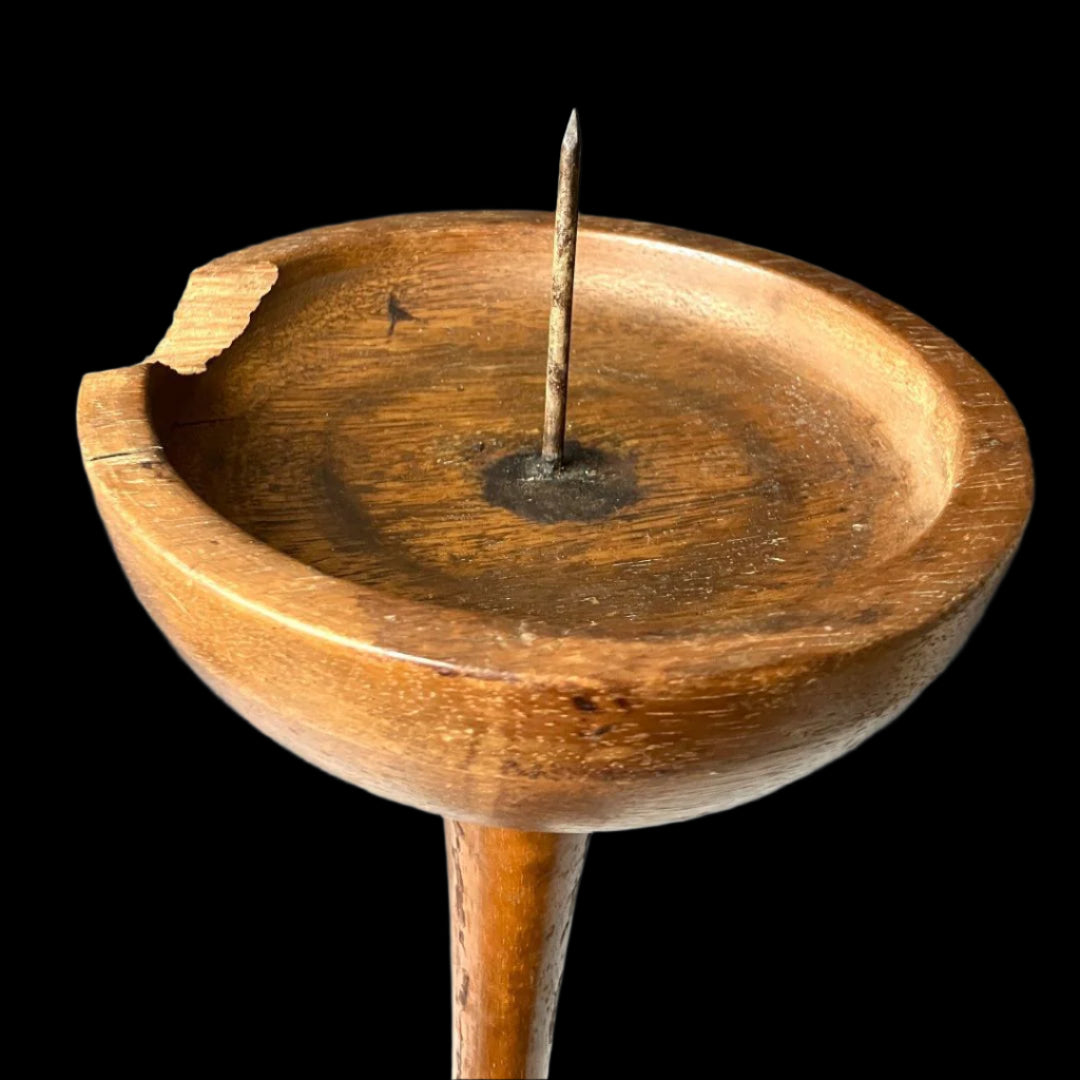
{"x":819,"y":493}
{"x":785,"y":502}
{"x":511,"y":904}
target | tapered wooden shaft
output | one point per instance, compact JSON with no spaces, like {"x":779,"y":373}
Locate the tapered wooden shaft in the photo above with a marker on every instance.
{"x":511,"y":901}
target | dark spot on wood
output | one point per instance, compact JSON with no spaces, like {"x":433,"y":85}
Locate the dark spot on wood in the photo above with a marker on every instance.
{"x":512,"y":768}
{"x":603,"y":729}
{"x":445,"y":671}
{"x":584,"y":703}
{"x":463,"y":993}
{"x":397,"y":314}
{"x":472,"y":749}
{"x":784,"y":620}
{"x":591,"y":484}
{"x":623,"y":703}
{"x":609,"y":773}
{"x":868,"y":615}
{"x":459,"y":892}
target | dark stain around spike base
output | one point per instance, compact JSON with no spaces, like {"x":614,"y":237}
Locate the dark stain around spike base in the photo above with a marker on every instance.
{"x":592,"y":484}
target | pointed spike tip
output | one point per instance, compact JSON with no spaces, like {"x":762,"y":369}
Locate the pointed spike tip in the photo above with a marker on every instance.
{"x":571,"y":135}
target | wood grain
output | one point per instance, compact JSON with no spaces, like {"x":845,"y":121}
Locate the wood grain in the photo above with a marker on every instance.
{"x":511,"y":904}
{"x":826,"y":492}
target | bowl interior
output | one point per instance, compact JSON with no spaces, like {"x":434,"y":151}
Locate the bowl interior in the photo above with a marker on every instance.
{"x":773,"y":441}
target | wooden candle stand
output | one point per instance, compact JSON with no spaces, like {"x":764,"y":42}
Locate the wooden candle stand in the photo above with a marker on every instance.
{"x":781,"y":506}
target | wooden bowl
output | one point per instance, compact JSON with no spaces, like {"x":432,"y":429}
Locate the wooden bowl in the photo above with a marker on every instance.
{"x":794,"y":500}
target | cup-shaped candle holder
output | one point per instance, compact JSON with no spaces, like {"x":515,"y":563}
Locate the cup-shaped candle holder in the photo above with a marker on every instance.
{"x":783,"y":505}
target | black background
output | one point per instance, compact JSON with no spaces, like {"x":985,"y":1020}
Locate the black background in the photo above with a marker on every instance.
{"x":235,"y":899}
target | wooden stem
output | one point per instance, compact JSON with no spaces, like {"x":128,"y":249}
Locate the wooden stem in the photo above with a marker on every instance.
{"x":511,"y":902}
